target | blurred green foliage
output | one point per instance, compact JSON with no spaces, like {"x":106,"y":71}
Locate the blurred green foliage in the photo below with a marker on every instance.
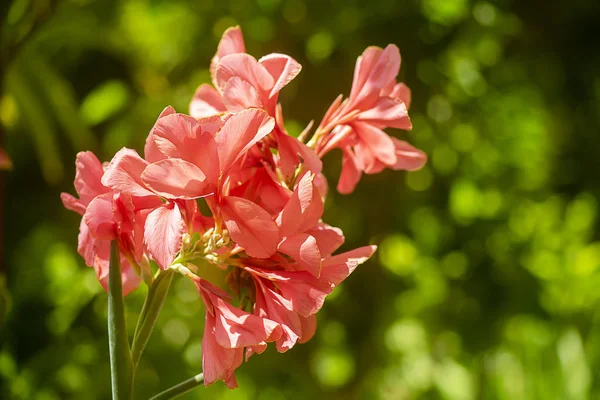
{"x":486,"y":282}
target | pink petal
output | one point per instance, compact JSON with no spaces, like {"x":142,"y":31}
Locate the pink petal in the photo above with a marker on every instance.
{"x":88,"y":177}
{"x":350,"y":174}
{"x":177,"y":179}
{"x":305,"y":293}
{"x":337,"y":268}
{"x":231,"y":42}
{"x":304,"y":250}
{"x":402,"y":92}
{"x":239,"y":95}
{"x":388,"y":112}
{"x":235,"y":328}
{"x":374,"y":70}
{"x":328,"y":238}
{"x":292,"y":152}
{"x":217,"y":361}
{"x":206,"y":102}
{"x":309,"y":327}
{"x":282,"y":68}
{"x":377,"y":140}
{"x":246,"y":68}
{"x":408,"y":157}
{"x":123,"y":174}
{"x":151,"y":152}
{"x":240,"y":132}
{"x":162,"y":234}
{"x":99,"y":217}
{"x":250,"y":226}
{"x":272,"y":305}
{"x":303,"y":210}
{"x":73,"y":204}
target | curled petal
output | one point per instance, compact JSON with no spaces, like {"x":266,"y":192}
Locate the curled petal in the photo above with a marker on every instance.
{"x":309,"y":327}
{"x":100,"y":219}
{"x":303,"y":210}
{"x":337,"y":268}
{"x":124,"y":172}
{"x":218,"y":362}
{"x":374,"y":70}
{"x":328,"y":238}
{"x":304,"y":250}
{"x":240,"y":132}
{"x":177,"y":179}
{"x":250,"y":226}
{"x":239,"y":95}
{"x":282,"y":68}
{"x":73,"y":204}
{"x":402,"y":92}
{"x":351,"y":173}
{"x":246,"y":68}
{"x":408,"y":157}
{"x":379,"y":142}
{"x":206,"y":102}
{"x":162,"y":234}
{"x":388,"y":112}
{"x":231,"y":42}
{"x":235,"y":328}
{"x":151,"y":152}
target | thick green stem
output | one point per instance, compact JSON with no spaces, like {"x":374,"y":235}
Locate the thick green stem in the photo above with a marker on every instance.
{"x":180,"y":389}
{"x":150,"y":311}
{"x":121,"y":366}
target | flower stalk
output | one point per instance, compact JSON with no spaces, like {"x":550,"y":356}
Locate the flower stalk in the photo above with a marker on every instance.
{"x":180,"y":388}
{"x":121,"y":365}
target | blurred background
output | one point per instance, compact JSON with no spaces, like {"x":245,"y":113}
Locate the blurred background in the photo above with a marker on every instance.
{"x":486,"y":284}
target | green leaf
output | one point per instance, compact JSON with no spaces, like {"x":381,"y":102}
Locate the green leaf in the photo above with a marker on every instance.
{"x":121,"y":366}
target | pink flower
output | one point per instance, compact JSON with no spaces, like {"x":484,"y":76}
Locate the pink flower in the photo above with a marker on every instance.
{"x":107,"y":216}
{"x":241,"y":81}
{"x":376,"y":102}
{"x":227,"y":331}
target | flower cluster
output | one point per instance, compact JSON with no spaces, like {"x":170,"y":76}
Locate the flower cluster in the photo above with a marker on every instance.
{"x":265,"y":192}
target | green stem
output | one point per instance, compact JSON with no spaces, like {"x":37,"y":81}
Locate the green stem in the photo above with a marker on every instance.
{"x":180,"y":388}
{"x":121,"y":366}
{"x":149,"y":314}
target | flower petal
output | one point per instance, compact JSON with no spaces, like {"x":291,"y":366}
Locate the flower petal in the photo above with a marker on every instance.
{"x":231,"y":42}
{"x":337,"y":268}
{"x":245,"y":67}
{"x":378,"y":141}
{"x":328,"y":238}
{"x":303,"y":210}
{"x":123,"y":174}
{"x":162,"y":234}
{"x":99,"y":217}
{"x":206,"y":102}
{"x":282,"y":68}
{"x":250,"y":226}
{"x":240,"y":132}
{"x":388,"y":112}
{"x":350,"y":174}
{"x":304,"y":250}
{"x":151,"y":152}
{"x":408,"y":157}
{"x":239,"y":95}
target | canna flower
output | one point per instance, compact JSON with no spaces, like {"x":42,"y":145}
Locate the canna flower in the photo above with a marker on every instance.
{"x":107,"y":216}
{"x":240,"y":81}
{"x":265,"y":191}
{"x":376,"y":102}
